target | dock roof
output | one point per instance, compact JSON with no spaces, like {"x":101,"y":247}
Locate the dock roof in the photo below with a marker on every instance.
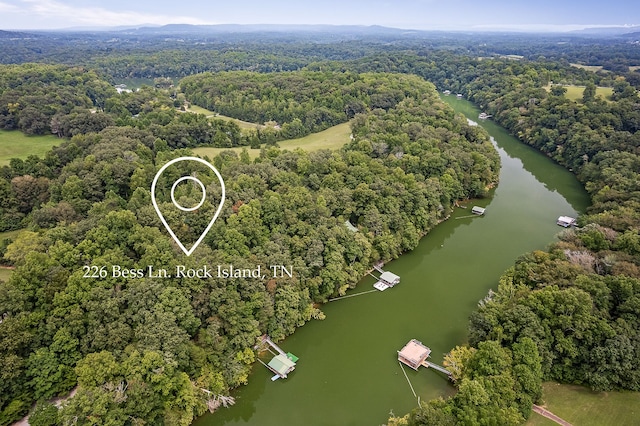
{"x":282,"y":364}
{"x":389,"y":277}
{"x":415,"y":351}
{"x":566,"y":219}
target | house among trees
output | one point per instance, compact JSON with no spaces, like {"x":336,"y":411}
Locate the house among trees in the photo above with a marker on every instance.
{"x":414,"y":354}
{"x":350,"y":226}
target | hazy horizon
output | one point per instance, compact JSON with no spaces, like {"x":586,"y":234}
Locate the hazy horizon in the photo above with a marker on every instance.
{"x":463,"y":15}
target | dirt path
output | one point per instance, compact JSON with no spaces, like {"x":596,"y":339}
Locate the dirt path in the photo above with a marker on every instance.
{"x":56,"y":401}
{"x":548,"y":414}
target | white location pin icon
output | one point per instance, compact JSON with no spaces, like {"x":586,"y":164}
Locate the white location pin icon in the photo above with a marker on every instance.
{"x":187,"y":209}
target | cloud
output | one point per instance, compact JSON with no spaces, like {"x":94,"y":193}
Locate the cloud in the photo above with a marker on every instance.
{"x":6,"y":7}
{"x":52,"y":10}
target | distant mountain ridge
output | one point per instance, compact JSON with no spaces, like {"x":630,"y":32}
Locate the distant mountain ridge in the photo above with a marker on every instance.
{"x":610,"y":31}
{"x":252,"y":28}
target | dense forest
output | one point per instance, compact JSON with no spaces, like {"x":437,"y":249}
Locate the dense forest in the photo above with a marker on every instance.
{"x":569,"y":313}
{"x":162,"y":351}
{"x":577,"y":302}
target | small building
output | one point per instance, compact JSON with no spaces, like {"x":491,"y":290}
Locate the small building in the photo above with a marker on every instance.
{"x":447,"y":92}
{"x":281,"y":365}
{"x":414,"y":354}
{"x":350,"y":226}
{"x":566,"y":221}
{"x":478,"y":210}
{"x":389,"y":278}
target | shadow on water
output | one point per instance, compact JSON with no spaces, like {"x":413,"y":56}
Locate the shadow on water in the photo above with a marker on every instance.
{"x":348,"y":372}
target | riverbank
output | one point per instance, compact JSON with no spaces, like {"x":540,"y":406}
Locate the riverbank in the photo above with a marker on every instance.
{"x":348,"y":367}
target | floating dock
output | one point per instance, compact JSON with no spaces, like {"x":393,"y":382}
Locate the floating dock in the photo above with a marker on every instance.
{"x":414,"y":354}
{"x":566,"y":221}
{"x":282,"y":363}
{"x":387,"y":279}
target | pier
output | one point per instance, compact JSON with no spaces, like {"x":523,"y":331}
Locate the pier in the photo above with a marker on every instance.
{"x":436,"y":367}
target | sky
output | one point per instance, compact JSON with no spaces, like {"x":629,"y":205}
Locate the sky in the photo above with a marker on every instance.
{"x":539,"y":15}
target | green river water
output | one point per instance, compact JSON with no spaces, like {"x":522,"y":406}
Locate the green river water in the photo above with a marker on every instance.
{"x":348,"y":372}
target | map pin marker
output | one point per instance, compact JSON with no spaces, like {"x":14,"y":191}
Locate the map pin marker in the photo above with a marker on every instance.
{"x":187,"y":209}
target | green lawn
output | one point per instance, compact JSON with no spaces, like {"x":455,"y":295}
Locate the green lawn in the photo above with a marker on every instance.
{"x":5,"y":273}
{"x":242,"y":124}
{"x":592,"y":68}
{"x":15,"y":144}
{"x":10,"y":234}
{"x":581,"y":406}
{"x":575,"y":92}
{"x":332,"y":138}
{"x":538,"y":420}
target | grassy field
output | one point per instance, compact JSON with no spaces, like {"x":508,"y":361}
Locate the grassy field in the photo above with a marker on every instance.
{"x":593,"y":68}
{"x":332,"y":138}
{"x":5,"y":273}
{"x":580,"y":406}
{"x":242,"y":124}
{"x":575,"y":92}
{"x":10,"y":234}
{"x":15,"y":144}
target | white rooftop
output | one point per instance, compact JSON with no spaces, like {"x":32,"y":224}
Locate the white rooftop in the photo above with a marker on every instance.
{"x":566,"y":219}
{"x":389,"y":277}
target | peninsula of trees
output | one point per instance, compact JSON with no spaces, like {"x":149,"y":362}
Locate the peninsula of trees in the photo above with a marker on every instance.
{"x":156,"y":352}
{"x":87,"y":202}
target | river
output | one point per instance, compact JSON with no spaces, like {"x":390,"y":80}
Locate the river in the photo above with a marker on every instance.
{"x":348,"y":373}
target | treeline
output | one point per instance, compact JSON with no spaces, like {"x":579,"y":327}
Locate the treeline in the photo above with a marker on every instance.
{"x":575,"y":305}
{"x":153,"y":53}
{"x":162,"y":351}
{"x":146,"y":56}
{"x":34,"y":95}
{"x":299,"y":102}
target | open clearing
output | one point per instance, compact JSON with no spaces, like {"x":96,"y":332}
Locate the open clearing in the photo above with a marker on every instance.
{"x":10,"y":234}
{"x":593,"y":68}
{"x":15,"y":144}
{"x":575,"y":92}
{"x":580,"y":406}
{"x":5,"y":272}
{"x":242,"y":124}
{"x":332,"y":138}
